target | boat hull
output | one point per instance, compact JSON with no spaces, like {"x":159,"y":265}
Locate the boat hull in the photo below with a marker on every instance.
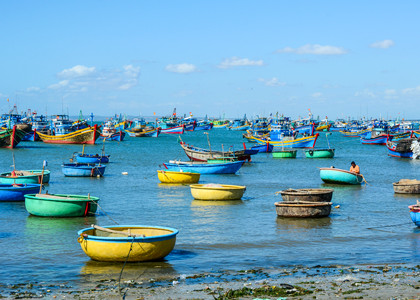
{"x":304,"y":142}
{"x":149,"y":133}
{"x":27,"y":177}
{"x":200,"y":154}
{"x":10,"y":192}
{"x":174,"y":130}
{"x":10,"y":138}
{"x":338,"y":176}
{"x":102,"y":246}
{"x":263,"y":148}
{"x":91,"y":159}
{"x":60,"y":205}
{"x":119,"y":136}
{"x":407,"y":186}
{"x":82,"y":170}
{"x":82,"y":136}
{"x":303,"y":209}
{"x":224,"y":168}
{"x":380,"y":140}
{"x":177,"y":177}
{"x":217,"y":192}
{"x":284,"y":154}
{"x":320,"y":153}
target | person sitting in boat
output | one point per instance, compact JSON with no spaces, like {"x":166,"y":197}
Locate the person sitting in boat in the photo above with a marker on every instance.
{"x":354,"y":168}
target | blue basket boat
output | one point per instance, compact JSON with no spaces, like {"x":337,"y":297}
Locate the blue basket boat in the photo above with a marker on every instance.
{"x":339,"y":176}
{"x":205,"y":168}
{"x":17,"y":192}
{"x":83,"y":170}
{"x":91,"y":158}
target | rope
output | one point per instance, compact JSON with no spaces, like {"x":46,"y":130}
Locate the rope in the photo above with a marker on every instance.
{"x":122,"y":296}
{"x":394,"y":225}
{"x":96,"y":202}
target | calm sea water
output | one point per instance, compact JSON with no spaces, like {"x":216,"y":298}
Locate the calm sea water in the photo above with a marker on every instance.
{"x":372,"y":224}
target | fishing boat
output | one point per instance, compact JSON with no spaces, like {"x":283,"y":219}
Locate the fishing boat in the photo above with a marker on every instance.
{"x":319,"y":153}
{"x":267,"y":148}
{"x":16,"y":192}
{"x":60,"y":205}
{"x":25,"y":177}
{"x":178,"y":177}
{"x":132,"y":243}
{"x":308,"y":195}
{"x":339,"y":176}
{"x":407,"y":186}
{"x":415,"y":213}
{"x":173,"y":130}
{"x":10,"y":138}
{"x":213,"y":191}
{"x":86,"y":135}
{"x":303,"y":209}
{"x":200,"y":154}
{"x":400,"y":149}
{"x":83,"y":170}
{"x":110,"y":133}
{"x":91,"y":158}
{"x":144,"y":132}
{"x":205,"y":168}
{"x":290,"y":142}
{"x":355,"y":133}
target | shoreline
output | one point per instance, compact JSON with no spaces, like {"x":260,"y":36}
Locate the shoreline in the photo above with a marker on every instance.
{"x":399,"y":281}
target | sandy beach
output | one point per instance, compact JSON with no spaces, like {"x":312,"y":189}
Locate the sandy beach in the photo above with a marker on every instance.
{"x":397,"y":281}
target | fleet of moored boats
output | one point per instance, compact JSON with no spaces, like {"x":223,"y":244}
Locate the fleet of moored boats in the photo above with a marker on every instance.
{"x":278,"y":135}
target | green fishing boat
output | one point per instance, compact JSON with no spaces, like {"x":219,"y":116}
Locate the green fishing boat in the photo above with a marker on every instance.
{"x":319,"y":153}
{"x":25,"y":177}
{"x":60,"y":205}
{"x":284,"y":153}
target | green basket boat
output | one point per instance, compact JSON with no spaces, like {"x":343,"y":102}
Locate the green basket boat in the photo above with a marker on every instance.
{"x":284,"y":153}
{"x":60,"y":205}
{"x":26,"y":176}
{"x":319,"y":153}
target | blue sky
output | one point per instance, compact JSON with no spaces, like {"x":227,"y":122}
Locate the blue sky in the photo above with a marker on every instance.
{"x":339,"y":59}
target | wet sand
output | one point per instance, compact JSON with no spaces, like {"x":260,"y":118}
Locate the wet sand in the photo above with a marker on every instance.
{"x":397,"y":281}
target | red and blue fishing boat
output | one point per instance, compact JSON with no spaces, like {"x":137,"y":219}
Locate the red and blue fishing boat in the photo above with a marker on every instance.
{"x":267,"y":148}
{"x":395,"y":150}
{"x":380,"y":139}
{"x":173,"y":130}
{"x":415,"y":213}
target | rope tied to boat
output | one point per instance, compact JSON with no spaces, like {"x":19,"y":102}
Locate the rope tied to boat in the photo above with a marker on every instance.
{"x":122,"y":295}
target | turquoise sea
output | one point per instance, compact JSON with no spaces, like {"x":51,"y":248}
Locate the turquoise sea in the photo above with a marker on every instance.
{"x":371,"y":226}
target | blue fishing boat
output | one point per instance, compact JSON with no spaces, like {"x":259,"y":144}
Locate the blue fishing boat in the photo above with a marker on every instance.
{"x":91,"y":158}
{"x":17,"y":192}
{"x":379,"y":140}
{"x":267,"y":148}
{"x":83,"y":170}
{"x":303,"y":142}
{"x":339,"y":176}
{"x":205,"y":168}
{"x":173,"y":130}
{"x":400,"y":149}
{"x":110,"y":133}
{"x":415,"y":213}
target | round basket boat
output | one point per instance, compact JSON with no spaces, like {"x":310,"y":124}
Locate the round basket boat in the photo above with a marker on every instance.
{"x":407,"y":186}
{"x":133,"y":243}
{"x":310,"y":195}
{"x":217,"y":191}
{"x":60,"y":205}
{"x":303,"y":209}
{"x":178,"y":177}
{"x":415,"y":213}
{"x":284,"y":154}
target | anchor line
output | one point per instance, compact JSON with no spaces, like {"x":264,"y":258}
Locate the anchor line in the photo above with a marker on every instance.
{"x":122,"y":296}
{"x":96,"y":202}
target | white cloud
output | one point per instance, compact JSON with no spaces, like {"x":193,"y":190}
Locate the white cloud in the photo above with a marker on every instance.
{"x":33,"y":89}
{"x":314,"y":49}
{"x":181,"y":68}
{"x":412,"y":91}
{"x":131,"y":75}
{"x":390,"y":94}
{"x":382,"y":44}
{"x":76,"y":71}
{"x":316,"y":95}
{"x":236,"y":61}
{"x":272,"y":82}
{"x":61,"y":84}
{"x":365,"y":94}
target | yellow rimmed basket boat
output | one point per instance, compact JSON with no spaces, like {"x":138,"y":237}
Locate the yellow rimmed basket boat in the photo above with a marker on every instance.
{"x":178,"y":177}
{"x":217,"y":191}
{"x":132,"y":243}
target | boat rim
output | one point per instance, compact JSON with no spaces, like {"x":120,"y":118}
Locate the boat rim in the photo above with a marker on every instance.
{"x":62,"y":197}
{"x":156,"y":238}
{"x":223,"y":187}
